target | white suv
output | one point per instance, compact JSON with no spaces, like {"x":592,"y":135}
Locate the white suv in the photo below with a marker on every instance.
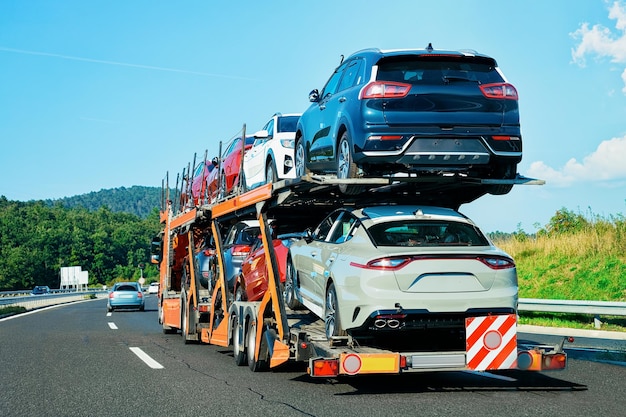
{"x":271,"y":158}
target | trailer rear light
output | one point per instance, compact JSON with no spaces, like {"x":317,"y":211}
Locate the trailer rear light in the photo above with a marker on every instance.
{"x":499,"y":90}
{"x":554,"y":362}
{"x":403,"y":362}
{"x":324,"y":367}
{"x":209,"y":252}
{"x":385,"y":89}
{"x":497,"y":262}
{"x":203,"y":308}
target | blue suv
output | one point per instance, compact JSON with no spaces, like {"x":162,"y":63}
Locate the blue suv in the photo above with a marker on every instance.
{"x":424,"y":112}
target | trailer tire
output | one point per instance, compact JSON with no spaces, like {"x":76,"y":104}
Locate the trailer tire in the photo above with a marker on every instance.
{"x":260,"y":364}
{"x":239,"y":347}
{"x":503,"y":171}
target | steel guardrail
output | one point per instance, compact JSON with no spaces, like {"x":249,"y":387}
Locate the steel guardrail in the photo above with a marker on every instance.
{"x":594,"y":308}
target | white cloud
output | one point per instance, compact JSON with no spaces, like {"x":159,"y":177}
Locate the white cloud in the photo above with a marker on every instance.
{"x":606,"y":164}
{"x":601,"y":41}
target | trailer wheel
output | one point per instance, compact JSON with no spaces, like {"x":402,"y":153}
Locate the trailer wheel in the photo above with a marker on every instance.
{"x":289,"y":289}
{"x":346,"y":168}
{"x":503,"y":171}
{"x":239,"y":348}
{"x":261,"y":363}
{"x":331,"y":316}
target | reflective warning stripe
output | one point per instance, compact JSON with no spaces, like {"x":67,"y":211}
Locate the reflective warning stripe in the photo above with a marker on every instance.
{"x":491,"y":342}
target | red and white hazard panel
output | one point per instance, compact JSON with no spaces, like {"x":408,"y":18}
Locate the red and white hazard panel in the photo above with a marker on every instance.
{"x":491,"y":342}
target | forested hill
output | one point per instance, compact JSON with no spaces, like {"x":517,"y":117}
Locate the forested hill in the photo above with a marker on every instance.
{"x":138,"y":200}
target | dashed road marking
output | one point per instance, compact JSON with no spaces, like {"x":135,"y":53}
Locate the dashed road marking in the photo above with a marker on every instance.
{"x":112,"y":326}
{"x":146,"y":358}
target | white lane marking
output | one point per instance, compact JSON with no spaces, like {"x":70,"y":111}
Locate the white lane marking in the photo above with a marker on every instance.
{"x":39,"y":310}
{"x":146,"y":358}
{"x":109,"y":314}
{"x":112,"y":326}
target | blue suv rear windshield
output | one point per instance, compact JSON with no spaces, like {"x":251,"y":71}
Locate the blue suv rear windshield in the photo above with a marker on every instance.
{"x":438,"y":70}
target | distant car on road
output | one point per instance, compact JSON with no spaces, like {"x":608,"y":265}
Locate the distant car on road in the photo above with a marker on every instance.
{"x":40,"y":290}
{"x":153,"y":288}
{"x":126,"y":295}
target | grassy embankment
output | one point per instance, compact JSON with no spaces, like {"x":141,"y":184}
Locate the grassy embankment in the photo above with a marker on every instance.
{"x":573,"y":258}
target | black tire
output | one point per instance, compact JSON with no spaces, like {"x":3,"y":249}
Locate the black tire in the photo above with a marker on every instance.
{"x":270,"y":172}
{"x":507,"y":172}
{"x":300,"y":159}
{"x":261,"y":363}
{"x":332,"y":324}
{"x":184,"y":320}
{"x":289,"y":288}
{"x":239,"y":347}
{"x":346,"y":168}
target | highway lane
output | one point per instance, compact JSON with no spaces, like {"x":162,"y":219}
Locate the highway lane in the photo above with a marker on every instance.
{"x":69,"y":361}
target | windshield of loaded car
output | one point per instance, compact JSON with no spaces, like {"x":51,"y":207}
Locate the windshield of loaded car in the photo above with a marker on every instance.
{"x":426,"y":233}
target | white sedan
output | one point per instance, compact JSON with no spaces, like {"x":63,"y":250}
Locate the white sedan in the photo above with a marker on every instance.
{"x":399,"y":274}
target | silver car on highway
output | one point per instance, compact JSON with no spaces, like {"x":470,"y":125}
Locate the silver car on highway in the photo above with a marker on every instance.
{"x":395,"y":271}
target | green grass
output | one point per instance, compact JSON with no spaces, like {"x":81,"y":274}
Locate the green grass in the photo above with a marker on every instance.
{"x":573,"y":258}
{"x":9,"y":311}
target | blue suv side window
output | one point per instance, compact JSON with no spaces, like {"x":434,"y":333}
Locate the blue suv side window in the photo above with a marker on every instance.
{"x":352,"y":75}
{"x":331,"y":86}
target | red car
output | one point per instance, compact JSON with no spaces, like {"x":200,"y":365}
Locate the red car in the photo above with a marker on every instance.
{"x":201,"y":175}
{"x":252,"y":282}
{"x":222,"y":181}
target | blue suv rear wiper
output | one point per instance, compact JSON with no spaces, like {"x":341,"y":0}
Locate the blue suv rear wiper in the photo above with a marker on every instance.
{"x":448,"y":78}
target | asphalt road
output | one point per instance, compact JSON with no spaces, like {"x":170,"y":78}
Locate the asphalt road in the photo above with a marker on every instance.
{"x":76,"y":360}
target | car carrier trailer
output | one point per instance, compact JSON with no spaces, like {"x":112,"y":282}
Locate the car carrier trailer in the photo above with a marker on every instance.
{"x":266,"y":334}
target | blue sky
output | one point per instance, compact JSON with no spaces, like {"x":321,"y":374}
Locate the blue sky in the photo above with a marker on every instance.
{"x":104,"y":94}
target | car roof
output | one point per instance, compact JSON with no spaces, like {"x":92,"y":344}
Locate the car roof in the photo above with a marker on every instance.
{"x":376,"y":54}
{"x":375,"y":213}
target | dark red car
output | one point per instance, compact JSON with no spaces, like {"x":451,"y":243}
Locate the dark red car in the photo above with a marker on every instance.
{"x":201,"y":175}
{"x":252,"y":283}
{"x":222,"y":181}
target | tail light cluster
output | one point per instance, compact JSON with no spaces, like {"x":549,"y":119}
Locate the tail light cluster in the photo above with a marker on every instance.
{"x":385,"y":89}
{"x":394,"y":263}
{"x":241,"y":250}
{"x":499,"y":90}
